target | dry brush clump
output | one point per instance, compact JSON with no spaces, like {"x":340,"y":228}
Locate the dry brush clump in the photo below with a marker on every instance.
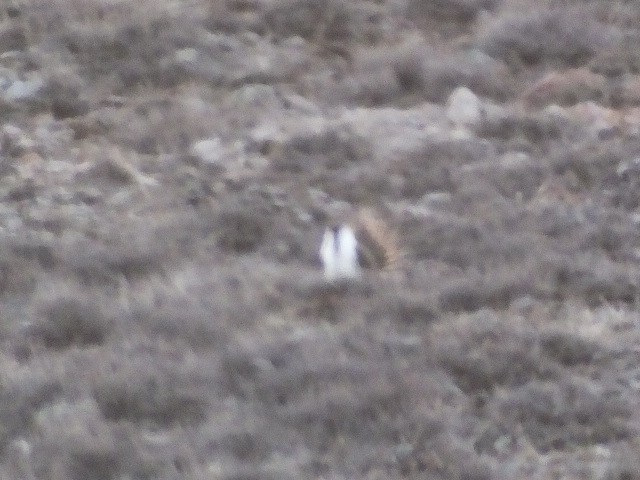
{"x":332,"y":397}
{"x":108,"y":37}
{"x":67,"y":321}
{"x":534,"y":396}
{"x":568,"y":36}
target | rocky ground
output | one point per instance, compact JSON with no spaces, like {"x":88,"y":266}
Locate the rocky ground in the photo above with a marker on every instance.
{"x":167,"y":170}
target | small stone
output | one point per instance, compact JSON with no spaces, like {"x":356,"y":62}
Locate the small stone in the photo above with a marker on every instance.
{"x":627,"y":168}
{"x":464,"y":109}
{"x":523,"y":304}
{"x":436,"y":199}
{"x":494,"y":113}
{"x":556,"y":111}
{"x":14,"y":142}
{"x":301,"y":104}
{"x":257,"y":96}
{"x":516,"y":161}
{"x":599,"y":121}
{"x":29,"y":164}
{"x":186,"y":55}
{"x":208,"y":151}
{"x":303,"y":216}
{"x":21,"y":90}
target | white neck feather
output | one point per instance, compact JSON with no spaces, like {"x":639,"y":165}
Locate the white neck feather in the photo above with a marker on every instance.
{"x":339,"y":254}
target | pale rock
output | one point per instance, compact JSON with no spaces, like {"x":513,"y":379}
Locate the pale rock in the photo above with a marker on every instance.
{"x":523,"y":304}
{"x":627,"y":168}
{"x":319,"y":198}
{"x":436,"y":199}
{"x":494,"y":113}
{"x":629,"y":90}
{"x":14,"y":141}
{"x":516,"y":161}
{"x":301,"y":104}
{"x":599,"y":120}
{"x":22,"y":90}
{"x":267,"y":132}
{"x":556,"y":111}
{"x":7,"y":78}
{"x":630,"y":122}
{"x":465,"y":109}
{"x":209,"y":151}
{"x":257,"y":96}
{"x":186,"y":55}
